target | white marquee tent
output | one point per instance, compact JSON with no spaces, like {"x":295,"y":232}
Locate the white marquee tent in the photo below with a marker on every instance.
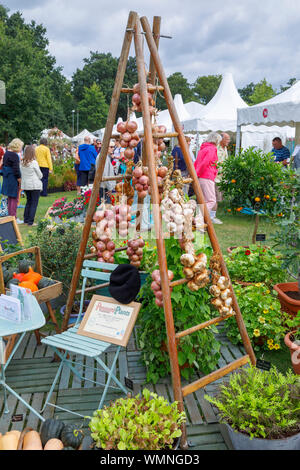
{"x":282,"y":110}
{"x":82,"y":135}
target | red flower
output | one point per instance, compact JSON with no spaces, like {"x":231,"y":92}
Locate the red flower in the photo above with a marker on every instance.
{"x":247,"y":252}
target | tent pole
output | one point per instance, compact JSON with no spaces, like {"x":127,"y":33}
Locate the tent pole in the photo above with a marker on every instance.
{"x":238,"y":140}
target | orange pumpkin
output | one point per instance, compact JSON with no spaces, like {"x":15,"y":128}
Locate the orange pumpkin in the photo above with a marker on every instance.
{"x":18,"y":276}
{"x":29,"y":285}
{"x":32,"y":276}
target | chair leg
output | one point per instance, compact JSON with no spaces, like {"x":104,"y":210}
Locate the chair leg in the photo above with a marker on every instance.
{"x":54,"y":382}
{"x":10,"y":390}
{"x":111,"y":375}
{"x":6,"y":410}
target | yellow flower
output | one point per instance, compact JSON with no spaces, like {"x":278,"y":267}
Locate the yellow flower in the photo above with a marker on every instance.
{"x":270,"y":341}
{"x":270,"y":346}
{"x":266,"y":311}
{"x":256,"y":332}
{"x":233,"y":181}
{"x":267,"y":291}
{"x":271,"y":307}
{"x":257,"y":199}
{"x":258,"y":284}
{"x":262,"y":320}
{"x":276,"y":346}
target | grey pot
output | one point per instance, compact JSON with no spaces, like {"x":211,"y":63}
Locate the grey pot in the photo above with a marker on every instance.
{"x":240,"y":441}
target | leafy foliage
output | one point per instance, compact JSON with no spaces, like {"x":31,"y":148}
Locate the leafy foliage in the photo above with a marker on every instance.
{"x":287,"y":234}
{"x":255,"y":264}
{"x":93,"y":108}
{"x":263,"y":91}
{"x":199,"y":351}
{"x":34,"y":85}
{"x":262,"y":317}
{"x":59,"y":247}
{"x":205,"y":87}
{"x":262,"y":404}
{"x":146,"y":422}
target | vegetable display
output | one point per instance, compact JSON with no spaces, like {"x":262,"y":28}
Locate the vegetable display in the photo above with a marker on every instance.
{"x":156,"y":286}
{"x":135,"y":251}
{"x":129,"y":138}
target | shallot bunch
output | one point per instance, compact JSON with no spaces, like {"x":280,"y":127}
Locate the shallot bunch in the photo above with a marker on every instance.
{"x":156,"y":286}
{"x":135,"y":251}
{"x":123,"y":217}
{"x":137,"y":101}
{"x":222,"y":295}
{"x":140,"y":181}
{"x":102,"y":236}
{"x":159,"y":145}
{"x":129,"y":137}
{"x":195,"y":270}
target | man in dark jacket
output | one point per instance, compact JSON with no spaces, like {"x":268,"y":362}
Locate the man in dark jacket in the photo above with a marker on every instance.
{"x":87,"y":155}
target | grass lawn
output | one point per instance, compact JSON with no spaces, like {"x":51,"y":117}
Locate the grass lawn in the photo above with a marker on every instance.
{"x":236,"y":230}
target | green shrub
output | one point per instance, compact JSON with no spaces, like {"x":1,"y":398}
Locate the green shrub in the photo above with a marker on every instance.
{"x":59,"y":246}
{"x":262,"y":316}
{"x":255,"y":264}
{"x":262,"y":404}
{"x":139,"y":423}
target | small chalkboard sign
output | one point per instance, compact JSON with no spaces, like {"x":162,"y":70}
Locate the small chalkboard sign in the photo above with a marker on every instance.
{"x":128,"y":383}
{"x":264,"y":365}
{"x":17,"y":418}
{"x":9,"y":232}
{"x":260,"y":237}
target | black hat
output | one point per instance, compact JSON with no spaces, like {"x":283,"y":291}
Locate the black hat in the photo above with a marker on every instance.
{"x":125,"y":283}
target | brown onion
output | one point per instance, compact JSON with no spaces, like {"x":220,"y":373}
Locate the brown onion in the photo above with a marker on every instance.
{"x":159,"y":294}
{"x":129,"y":153}
{"x":155,"y":286}
{"x":137,"y":172}
{"x":136,"y":88}
{"x":162,"y":171}
{"x":121,"y":127}
{"x":131,"y":126}
{"x":142,"y":194}
{"x":133,"y":143}
{"x":111,"y":246}
{"x":106,"y":255}
{"x":136,"y":99}
{"x":123,"y":143}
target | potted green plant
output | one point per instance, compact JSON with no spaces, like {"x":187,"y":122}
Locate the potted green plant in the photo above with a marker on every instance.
{"x":292,"y":341}
{"x":288,"y":238}
{"x":251,"y":184}
{"x":262,"y":316}
{"x":255,"y":264}
{"x":143,"y":422}
{"x":259,"y":410}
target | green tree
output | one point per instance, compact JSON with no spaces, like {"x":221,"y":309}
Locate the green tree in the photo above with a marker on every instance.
{"x":290,"y":83}
{"x":93,"y":108}
{"x":34,"y":85}
{"x":101,"y":69}
{"x":263,"y":91}
{"x":247,"y":91}
{"x":178,"y":85}
{"x":205,"y":87}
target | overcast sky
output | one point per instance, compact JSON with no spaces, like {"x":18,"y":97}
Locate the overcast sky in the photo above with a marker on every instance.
{"x":253,"y":39}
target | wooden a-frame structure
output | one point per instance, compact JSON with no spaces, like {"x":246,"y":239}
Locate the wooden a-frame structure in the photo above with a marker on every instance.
{"x":134,"y":31}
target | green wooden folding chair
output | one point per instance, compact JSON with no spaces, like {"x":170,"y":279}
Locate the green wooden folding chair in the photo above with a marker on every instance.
{"x":8,"y":328}
{"x":69,"y":342}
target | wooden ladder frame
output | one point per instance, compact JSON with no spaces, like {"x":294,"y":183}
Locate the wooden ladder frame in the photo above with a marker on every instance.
{"x":134,"y":30}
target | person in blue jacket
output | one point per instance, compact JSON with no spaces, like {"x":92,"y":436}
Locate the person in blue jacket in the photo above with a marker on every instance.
{"x":87,"y":154}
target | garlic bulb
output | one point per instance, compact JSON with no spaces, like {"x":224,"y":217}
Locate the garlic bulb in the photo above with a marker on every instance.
{"x":187,"y":260}
{"x":215,"y":291}
{"x":192,"y":286}
{"x":217,"y":303}
{"x":225,"y":294}
{"x":189,"y":273}
{"x":228,"y":302}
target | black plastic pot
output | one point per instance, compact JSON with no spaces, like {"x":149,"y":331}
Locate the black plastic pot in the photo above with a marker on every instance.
{"x":240,"y":441}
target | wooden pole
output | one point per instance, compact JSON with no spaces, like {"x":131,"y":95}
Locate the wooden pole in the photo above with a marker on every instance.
{"x":99,"y":172}
{"x":162,"y":260}
{"x":193,"y":174}
{"x":156,"y":36}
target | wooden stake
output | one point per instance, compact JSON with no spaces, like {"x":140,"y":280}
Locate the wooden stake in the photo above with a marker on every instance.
{"x":196,"y":185}
{"x":99,"y":172}
{"x":162,"y":260}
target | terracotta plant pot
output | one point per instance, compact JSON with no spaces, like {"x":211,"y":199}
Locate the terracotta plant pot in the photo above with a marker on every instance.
{"x":288,"y":304}
{"x":294,"y":350}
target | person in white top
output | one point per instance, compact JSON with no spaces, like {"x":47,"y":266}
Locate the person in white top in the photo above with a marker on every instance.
{"x":31,"y":183}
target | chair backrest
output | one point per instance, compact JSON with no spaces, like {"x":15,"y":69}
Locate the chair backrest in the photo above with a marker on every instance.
{"x":90,"y":270}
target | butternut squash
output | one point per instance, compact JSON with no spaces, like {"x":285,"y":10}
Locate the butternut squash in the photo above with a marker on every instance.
{"x":32,"y":441}
{"x":9,"y":441}
{"x":54,"y":444}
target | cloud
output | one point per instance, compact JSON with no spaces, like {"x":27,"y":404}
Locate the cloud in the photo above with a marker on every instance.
{"x":251,"y":38}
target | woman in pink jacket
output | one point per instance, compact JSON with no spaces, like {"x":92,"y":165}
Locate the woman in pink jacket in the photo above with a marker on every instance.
{"x":206,"y":169}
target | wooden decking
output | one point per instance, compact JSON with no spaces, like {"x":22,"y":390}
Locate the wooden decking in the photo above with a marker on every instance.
{"x":32,"y":370}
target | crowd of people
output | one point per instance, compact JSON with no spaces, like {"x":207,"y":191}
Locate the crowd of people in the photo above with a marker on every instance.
{"x":28,"y":171}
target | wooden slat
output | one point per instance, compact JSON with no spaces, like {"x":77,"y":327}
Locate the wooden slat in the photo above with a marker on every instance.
{"x":206,"y":407}
{"x":202,"y":326}
{"x":21,"y":410}
{"x":214,"y":375}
